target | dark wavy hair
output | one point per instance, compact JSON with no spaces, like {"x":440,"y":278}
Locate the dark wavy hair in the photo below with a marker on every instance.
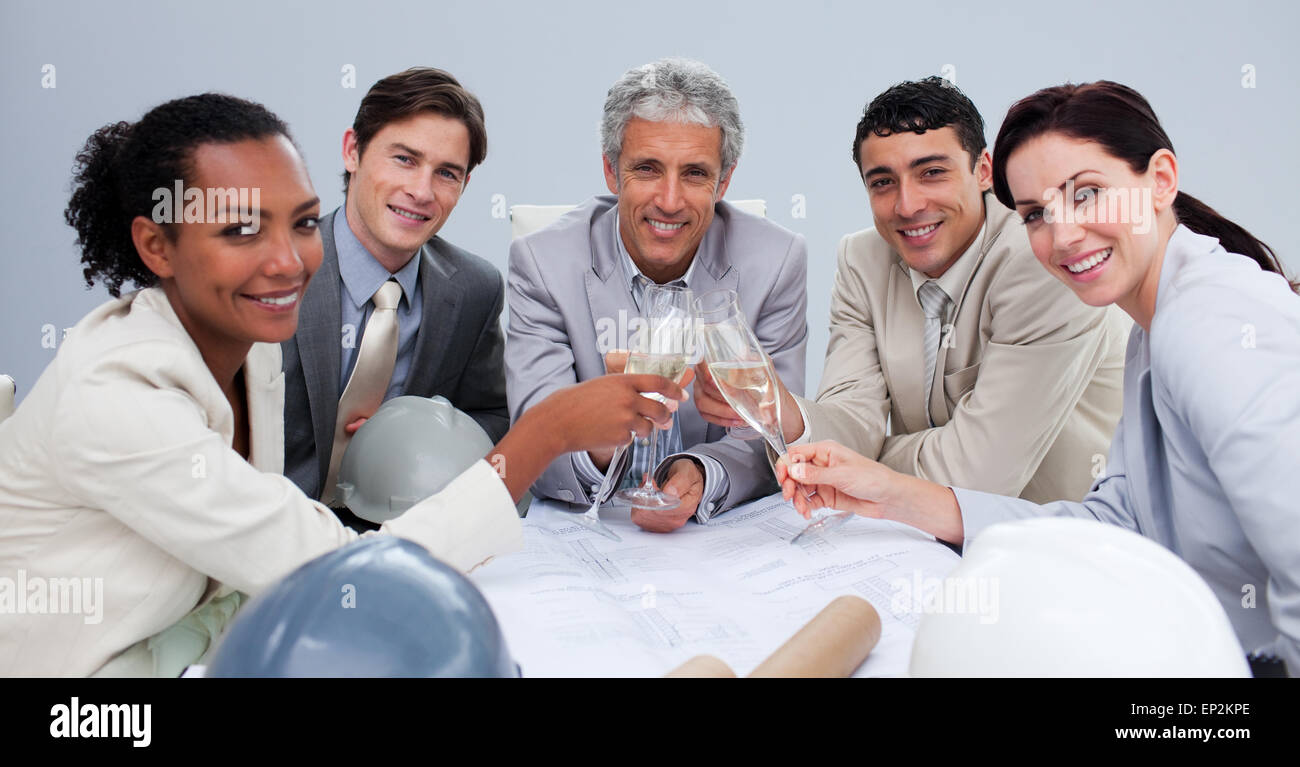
{"x":413,"y":92}
{"x":117,"y":171}
{"x":919,"y":106}
{"x":1123,"y":122}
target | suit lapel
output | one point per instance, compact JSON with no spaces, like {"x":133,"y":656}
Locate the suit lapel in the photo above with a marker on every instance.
{"x":607,"y":294}
{"x":713,"y":272}
{"x":716,"y":273}
{"x":439,"y":316}
{"x":264,"y":383}
{"x":1144,"y":447}
{"x":319,"y":344}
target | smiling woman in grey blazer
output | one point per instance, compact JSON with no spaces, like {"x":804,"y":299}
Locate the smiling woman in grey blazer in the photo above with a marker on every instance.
{"x":140,"y":481}
{"x":1207,"y":453}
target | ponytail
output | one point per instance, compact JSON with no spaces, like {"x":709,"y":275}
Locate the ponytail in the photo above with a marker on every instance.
{"x":1203,"y":219}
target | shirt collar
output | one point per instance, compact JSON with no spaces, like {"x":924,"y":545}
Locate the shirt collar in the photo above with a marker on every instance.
{"x":952,"y":281}
{"x":362,"y":275}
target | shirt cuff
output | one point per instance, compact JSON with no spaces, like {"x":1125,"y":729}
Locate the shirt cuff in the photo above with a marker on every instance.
{"x":980,"y":510}
{"x":716,"y":484}
{"x":588,"y":476}
{"x":802,"y":439}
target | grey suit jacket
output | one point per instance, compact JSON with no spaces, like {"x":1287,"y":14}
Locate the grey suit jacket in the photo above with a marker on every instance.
{"x":568,"y":299}
{"x":458,"y":352}
{"x":1206,"y":458}
{"x":1027,"y":386}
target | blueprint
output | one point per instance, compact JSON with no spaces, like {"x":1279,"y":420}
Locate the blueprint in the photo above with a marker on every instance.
{"x":573,"y":603}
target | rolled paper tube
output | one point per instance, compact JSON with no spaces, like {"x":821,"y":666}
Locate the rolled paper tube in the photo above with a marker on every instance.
{"x":702,"y":666}
{"x":833,"y":644}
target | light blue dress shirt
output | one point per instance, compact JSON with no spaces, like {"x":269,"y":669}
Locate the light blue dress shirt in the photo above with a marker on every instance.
{"x":362,"y":276}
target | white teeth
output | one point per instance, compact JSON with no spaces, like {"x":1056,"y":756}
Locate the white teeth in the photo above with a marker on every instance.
{"x":404,"y":214}
{"x":665,"y":227}
{"x":918,"y":232}
{"x":285,"y":301}
{"x":1088,"y":263}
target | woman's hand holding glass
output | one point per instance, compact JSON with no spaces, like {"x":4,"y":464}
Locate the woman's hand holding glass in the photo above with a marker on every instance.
{"x":827,"y":475}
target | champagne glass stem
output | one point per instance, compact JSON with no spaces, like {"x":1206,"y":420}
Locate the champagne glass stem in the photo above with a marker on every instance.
{"x":651,"y":463}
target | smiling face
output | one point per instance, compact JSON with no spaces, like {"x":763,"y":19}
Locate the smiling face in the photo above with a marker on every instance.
{"x":405,"y":184}
{"x":1093,"y":223}
{"x":669,"y":177}
{"x":232,"y":284}
{"x":926,"y":201}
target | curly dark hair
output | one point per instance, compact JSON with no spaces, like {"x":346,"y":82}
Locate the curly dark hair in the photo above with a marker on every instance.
{"x":117,"y":171}
{"x":919,"y":106}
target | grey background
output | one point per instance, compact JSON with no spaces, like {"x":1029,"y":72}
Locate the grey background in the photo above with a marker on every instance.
{"x":802,"y":72}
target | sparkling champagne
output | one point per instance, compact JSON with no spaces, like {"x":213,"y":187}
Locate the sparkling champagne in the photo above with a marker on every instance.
{"x":670,"y":366}
{"x":748,"y":388}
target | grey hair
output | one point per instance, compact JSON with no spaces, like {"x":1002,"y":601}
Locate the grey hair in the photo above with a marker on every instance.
{"x":673,"y":90}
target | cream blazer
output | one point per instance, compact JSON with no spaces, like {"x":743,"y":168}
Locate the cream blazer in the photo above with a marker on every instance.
{"x":1028,"y":381}
{"x":118,"y":468}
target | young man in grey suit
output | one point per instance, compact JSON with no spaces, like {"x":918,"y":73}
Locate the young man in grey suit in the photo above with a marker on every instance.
{"x":953,"y":355}
{"x":416,"y":138}
{"x":671,"y":135}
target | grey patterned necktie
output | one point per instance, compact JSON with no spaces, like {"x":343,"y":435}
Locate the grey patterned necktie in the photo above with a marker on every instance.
{"x":933,"y":303}
{"x":371,"y":374}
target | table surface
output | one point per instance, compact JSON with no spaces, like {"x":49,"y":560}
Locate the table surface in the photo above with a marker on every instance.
{"x":574,"y":603}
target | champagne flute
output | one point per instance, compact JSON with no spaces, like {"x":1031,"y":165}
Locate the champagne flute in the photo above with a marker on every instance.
{"x":743,"y":373}
{"x":739,"y":366}
{"x":662,"y":347}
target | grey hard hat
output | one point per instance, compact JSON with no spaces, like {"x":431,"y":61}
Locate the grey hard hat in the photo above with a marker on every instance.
{"x":379,"y":607}
{"x":411,"y":448}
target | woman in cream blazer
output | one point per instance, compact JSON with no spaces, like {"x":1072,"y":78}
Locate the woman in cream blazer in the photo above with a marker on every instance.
{"x":1207,"y":452}
{"x":140,"y":479}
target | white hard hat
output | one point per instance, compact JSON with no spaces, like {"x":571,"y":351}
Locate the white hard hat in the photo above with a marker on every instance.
{"x":1073,"y":597}
{"x":411,"y":448}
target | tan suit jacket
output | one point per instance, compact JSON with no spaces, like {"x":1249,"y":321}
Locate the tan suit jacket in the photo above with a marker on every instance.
{"x":118,"y":468}
{"x":1029,"y":379}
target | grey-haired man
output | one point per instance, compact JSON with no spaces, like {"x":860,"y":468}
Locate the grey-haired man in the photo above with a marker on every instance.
{"x":671,"y":136}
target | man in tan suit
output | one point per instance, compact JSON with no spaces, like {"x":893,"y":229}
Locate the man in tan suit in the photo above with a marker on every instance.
{"x":953,"y":355}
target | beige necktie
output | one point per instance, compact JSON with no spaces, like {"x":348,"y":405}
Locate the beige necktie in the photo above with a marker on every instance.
{"x":370,"y":377}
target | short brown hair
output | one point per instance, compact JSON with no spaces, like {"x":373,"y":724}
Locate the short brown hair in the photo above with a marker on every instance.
{"x":407,"y":94}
